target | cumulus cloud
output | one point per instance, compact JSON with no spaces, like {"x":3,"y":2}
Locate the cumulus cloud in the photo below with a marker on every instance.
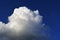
{"x":24,"y":24}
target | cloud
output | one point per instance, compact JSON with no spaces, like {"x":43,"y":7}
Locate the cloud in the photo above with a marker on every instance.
{"x":24,"y":24}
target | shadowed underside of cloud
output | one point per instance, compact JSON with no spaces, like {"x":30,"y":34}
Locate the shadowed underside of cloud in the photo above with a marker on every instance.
{"x":24,"y":24}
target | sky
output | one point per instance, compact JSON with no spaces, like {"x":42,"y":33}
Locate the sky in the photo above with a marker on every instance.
{"x":49,"y":9}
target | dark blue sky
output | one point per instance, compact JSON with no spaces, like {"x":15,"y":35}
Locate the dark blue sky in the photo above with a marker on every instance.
{"x":49,"y":9}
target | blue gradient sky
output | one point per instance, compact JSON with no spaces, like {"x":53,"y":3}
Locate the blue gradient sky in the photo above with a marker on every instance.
{"x":50,"y":10}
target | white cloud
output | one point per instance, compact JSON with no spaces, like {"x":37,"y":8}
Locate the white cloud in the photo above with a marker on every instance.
{"x":24,"y":24}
